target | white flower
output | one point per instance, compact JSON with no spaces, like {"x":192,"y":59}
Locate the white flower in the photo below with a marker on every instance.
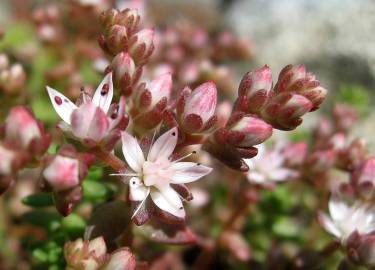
{"x":154,"y":174}
{"x":267,"y":167}
{"x":92,"y":120}
{"x":345,"y":219}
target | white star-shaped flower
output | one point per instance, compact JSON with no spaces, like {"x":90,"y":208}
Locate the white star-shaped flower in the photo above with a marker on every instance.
{"x":266,"y":167}
{"x":345,"y":219}
{"x":152,"y":175}
{"x":92,"y":120}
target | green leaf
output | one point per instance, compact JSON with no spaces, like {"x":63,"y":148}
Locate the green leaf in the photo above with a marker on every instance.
{"x":96,"y":191}
{"x":41,"y":218}
{"x":17,"y":35}
{"x":95,"y":173}
{"x":40,"y":256}
{"x":73,"y":225}
{"x":39,"y":199}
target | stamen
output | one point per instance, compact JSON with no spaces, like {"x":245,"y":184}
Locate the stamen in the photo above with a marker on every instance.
{"x":141,"y":204}
{"x":186,"y":156}
{"x":125,"y":174}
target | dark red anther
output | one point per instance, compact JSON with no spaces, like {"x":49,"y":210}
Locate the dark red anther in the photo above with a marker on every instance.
{"x":113,"y":115}
{"x":58,"y":100}
{"x":105,"y":89}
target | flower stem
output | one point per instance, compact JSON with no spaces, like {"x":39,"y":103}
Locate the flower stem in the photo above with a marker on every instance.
{"x":109,"y":159}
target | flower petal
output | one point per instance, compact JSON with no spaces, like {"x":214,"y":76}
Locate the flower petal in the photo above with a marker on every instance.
{"x":328,"y":225}
{"x":137,"y":191}
{"x":81,"y":119}
{"x":62,"y":105}
{"x":104,"y":93}
{"x":163,"y":146}
{"x":337,"y":209}
{"x":121,"y":259}
{"x":132,"y":152}
{"x":186,"y":172}
{"x":99,"y":125}
{"x":256,"y":177}
{"x":167,"y":199}
{"x":282,"y":174}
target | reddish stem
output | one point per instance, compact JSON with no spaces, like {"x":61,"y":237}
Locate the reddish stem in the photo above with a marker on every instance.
{"x":109,"y":159}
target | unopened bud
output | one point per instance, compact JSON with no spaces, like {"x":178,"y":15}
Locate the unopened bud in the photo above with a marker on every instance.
{"x":296,"y":79}
{"x":158,"y":89}
{"x":363,"y":178}
{"x":123,"y":68}
{"x":128,"y":18}
{"x":285,"y":111}
{"x":141,"y":45}
{"x":197,"y":109}
{"x":21,"y":127}
{"x":62,"y":173}
{"x":255,"y":86}
{"x":117,"y":39}
{"x":249,"y":131}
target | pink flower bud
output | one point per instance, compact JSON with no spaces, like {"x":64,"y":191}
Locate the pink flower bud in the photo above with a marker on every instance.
{"x":254,"y":81}
{"x":21,"y":127}
{"x":202,"y":101}
{"x":158,"y":89}
{"x":296,"y":79}
{"x":117,"y":39}
{"x":196,"y":109}
{"x":363,"y":178}
{"x":285,"y":110}
{"x":249,"y":131}
{"x":128,"y":18}
{"x":141,"y":45}
{"x":62,"y":173}
{"x":295,"y":153}
{"x":123,"y":68}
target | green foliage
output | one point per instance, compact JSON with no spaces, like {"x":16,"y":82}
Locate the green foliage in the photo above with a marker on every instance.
{"x":39,"y":199}
{"x":355,"y":95}
{"x":73,"y":226}
{"x":17,"y":35}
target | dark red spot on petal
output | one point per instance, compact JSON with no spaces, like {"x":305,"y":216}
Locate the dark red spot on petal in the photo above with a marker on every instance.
{"x":105,"y":89}
{"x":113,"y":115}
{"x":58,"y":100}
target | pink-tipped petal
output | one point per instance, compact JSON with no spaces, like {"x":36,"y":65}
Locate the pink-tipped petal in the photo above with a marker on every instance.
{"x":163,"y":146}
{"x":104,"y":93}
{"x":62,"y":105}
{"x":186,"y":172}
{"x":132,"y":152}
{"x":81,"y":119}
{"x":98,"y":126}
{"x":167,"y":199}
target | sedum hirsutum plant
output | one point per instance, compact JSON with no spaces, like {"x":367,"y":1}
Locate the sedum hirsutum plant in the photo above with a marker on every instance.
{"x":108,"y":177}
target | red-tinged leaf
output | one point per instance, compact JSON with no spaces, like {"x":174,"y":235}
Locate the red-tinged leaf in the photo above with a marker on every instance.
{"x":168,"y":233}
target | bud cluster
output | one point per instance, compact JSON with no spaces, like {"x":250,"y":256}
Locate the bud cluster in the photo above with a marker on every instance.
{"x":295,"y":93}
{"x":24,"y":141}
{"x":12,"y":77}
{"x":63,"y":174}
{"x":130,"y":46}
{"x":92,"y":255}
